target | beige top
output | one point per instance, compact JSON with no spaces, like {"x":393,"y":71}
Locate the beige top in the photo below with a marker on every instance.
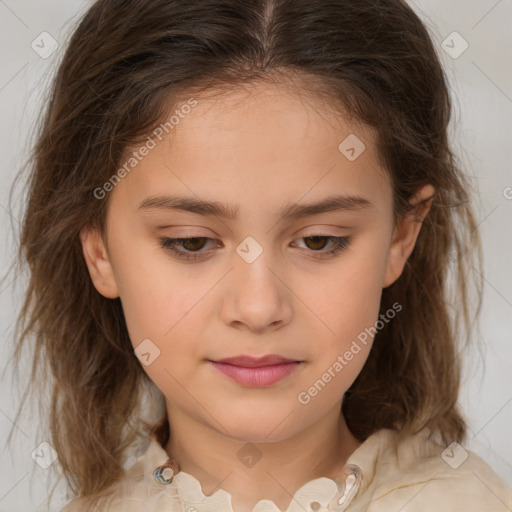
{"x":399,"y":473}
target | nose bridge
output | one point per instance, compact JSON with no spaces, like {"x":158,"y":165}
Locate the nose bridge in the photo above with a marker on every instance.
{"x":258,"y":259}
{"x":253,"y":270}
{"x":258,"y":297}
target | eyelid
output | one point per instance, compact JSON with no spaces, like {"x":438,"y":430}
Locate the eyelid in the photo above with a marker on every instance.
{"x":338,"y":245}
{"x":309,"y":231}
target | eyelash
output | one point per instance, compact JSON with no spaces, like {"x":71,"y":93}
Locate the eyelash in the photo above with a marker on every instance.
{"x":340,"y":243}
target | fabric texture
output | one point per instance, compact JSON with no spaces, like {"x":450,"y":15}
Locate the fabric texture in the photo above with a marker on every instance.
{"x":400,"y":473}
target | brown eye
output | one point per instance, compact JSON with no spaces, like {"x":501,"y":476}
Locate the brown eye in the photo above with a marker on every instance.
{"x":187,"y":248}
{"x":191,"y":248}
{"x":318,"y":242}
{"x":191,"y":244}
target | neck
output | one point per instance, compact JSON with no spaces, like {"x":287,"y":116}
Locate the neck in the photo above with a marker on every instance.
{"x":281,"y":467}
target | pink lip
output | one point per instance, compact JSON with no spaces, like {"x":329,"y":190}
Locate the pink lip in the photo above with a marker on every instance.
{"x":256,"y":371}
{"x":254,"y":362}
{"x":257,"y":376}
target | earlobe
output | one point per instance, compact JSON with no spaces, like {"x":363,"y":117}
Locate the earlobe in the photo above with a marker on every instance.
{"x":406,"y":233}
{"x":98,"y":263}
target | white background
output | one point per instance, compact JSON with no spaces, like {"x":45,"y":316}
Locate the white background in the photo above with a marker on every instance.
{"x":481,"y":81}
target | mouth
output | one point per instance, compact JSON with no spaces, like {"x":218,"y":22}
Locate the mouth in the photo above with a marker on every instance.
{"x":256,"y":372}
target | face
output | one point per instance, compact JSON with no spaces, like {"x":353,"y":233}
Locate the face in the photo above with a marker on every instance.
{"x":264,"y":281}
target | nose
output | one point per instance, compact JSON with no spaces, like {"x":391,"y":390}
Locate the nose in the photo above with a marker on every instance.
{"x":257,"y":297}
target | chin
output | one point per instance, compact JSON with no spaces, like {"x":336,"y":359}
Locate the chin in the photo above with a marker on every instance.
{"x":266,"y":427}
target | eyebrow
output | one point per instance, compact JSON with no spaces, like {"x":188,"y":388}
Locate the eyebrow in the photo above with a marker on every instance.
{"x":227,"y":211}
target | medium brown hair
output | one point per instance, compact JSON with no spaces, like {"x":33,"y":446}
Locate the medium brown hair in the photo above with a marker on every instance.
{"x":127,"y":64}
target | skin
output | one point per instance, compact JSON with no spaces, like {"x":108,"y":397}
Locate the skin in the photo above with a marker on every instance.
{"x":261,"y":147}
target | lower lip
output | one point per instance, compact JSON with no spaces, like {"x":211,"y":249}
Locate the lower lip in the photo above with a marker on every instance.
{"x":257,"y":377}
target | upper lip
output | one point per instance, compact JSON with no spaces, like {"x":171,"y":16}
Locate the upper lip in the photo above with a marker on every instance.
{"x":254,"y":362}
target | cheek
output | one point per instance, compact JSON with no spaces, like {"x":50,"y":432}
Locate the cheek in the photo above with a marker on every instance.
{"x":347,"y":298}
{"x":158,"y":303}
{"x":346,"y":305}
{"x":160,"y":313}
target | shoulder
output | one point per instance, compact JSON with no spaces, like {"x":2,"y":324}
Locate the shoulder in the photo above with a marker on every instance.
{"x":413,"y":473}
{"x":76,"y":505}
{"x":95,"y":502}
{"x":135,"y":490}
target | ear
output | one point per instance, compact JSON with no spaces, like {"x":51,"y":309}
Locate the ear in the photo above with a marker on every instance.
{"x":406,"y":233}
{"x":98,"y":263}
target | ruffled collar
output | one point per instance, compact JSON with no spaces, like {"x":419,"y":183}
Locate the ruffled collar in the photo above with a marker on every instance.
{"x":320,"y":495}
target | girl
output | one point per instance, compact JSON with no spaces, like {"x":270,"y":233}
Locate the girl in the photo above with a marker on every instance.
{"x":239,"y":229}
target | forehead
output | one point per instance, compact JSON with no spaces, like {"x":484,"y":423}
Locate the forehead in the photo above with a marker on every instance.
{"x":258,"y":147}
{"x":264,"y":119}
